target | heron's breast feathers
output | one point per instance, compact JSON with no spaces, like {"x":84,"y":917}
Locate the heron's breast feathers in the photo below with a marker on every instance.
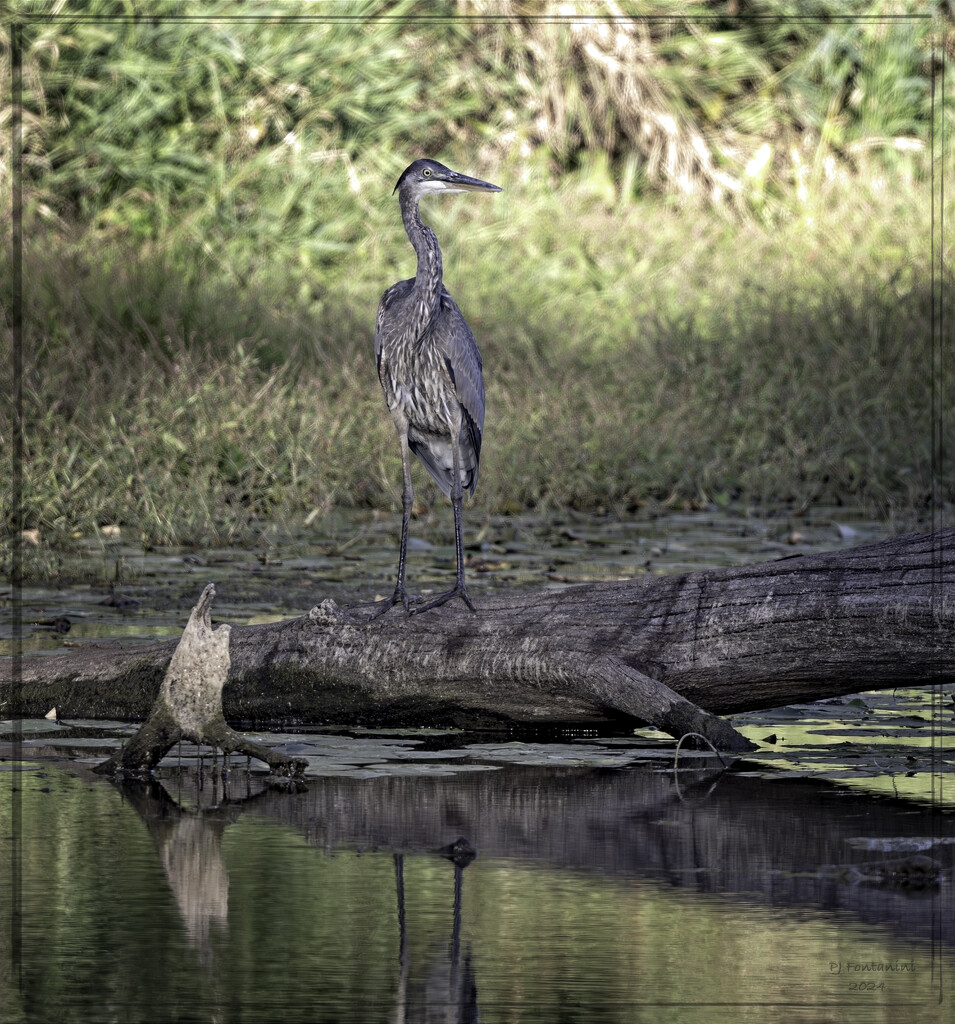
{"x":431,"y":375}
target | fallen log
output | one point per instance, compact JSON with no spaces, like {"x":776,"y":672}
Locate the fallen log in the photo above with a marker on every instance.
{"x":675,"y":651}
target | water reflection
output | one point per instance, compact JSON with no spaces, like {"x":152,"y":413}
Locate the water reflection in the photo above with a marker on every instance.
{"x":187,"y":826}
{"x":449,"y":991}
{"x":190,"y":851}
{"x":508,"y":895}
{"x":793,"y":845}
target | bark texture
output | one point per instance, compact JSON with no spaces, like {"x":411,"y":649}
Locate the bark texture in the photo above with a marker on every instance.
{"x":671,"y":650}
{"x":189,"y":705}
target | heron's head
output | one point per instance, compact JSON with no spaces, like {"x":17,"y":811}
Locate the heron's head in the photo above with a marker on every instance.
{"x":425,"y":177}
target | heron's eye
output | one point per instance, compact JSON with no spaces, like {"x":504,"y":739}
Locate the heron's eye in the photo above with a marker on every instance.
{"x":427,"y":172}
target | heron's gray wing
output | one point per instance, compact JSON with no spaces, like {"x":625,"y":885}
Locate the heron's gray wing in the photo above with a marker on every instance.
{"x":455,"y":342}
{"x":388,"y":327}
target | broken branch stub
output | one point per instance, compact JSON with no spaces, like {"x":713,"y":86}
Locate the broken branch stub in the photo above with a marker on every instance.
{"x":189,"y":704}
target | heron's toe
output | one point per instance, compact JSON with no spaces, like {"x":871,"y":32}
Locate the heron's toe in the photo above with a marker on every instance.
{"x":458,"y":591}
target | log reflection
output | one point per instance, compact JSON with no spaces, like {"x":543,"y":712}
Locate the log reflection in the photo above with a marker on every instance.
{"x":788,"y":844}
{"x":189,"y":844}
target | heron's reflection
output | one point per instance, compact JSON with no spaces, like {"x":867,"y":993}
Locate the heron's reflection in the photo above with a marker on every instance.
{"x":450,"y":989}
{"x":187,"y":816}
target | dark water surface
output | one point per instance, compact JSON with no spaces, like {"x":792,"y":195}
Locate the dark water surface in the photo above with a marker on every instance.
{"x":582,"y":894}
{"x":437,"y":876}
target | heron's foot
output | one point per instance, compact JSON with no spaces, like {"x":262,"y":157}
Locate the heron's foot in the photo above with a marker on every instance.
{"x":458,"y":591}
{"x":400,"y":596}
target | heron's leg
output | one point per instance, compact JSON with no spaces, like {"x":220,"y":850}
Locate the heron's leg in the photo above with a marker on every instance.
{"x":459,"y":548}
{"x":407,"y":503}
{"x":457,"y":497}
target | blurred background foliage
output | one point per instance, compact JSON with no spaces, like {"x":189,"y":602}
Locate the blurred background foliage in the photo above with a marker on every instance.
{"x":215,"y":112}
{"x":716,"y":216}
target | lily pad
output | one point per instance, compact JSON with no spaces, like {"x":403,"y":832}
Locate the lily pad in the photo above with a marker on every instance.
{"x":74,"y":742}
{"x":550,"y":754}
{"x":30,"y":727}
{"x":101,"y":724}
{"x":431,"y":755}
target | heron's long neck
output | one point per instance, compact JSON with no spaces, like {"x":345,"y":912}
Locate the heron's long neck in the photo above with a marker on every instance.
{"x":427,"y":282}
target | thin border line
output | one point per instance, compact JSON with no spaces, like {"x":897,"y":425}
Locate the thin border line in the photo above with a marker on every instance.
{"x":937,"y":348}
{"x":557,"y":18}
{"x":937,"y":592}
{"x":16,"y":503}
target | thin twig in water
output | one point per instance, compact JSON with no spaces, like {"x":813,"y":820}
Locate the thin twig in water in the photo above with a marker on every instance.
{"x":700,"y":736}
{"x":676,"y":761}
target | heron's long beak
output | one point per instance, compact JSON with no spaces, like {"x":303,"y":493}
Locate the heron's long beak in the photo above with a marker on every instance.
{"x":456,"y":182}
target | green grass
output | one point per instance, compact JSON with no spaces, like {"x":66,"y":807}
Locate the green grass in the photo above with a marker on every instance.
{"x":631,"y":356}
{"x":209,"y":226}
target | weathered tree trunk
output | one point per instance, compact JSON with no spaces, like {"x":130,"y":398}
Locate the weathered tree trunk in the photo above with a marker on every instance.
{"x":189,"y":705}
{"x":656,"y":649}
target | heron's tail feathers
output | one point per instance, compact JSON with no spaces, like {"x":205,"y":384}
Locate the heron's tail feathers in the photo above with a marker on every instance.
{"x":438,"y":460}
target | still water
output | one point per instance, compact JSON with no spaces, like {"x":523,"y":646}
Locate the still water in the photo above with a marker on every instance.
{"x":426,"y":876}
{"x":483,"y":888}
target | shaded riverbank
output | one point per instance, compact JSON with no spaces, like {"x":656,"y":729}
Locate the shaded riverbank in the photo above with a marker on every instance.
{"x":111,"y":588}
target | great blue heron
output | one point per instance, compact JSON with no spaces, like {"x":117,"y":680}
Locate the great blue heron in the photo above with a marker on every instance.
{"x":430,"y":371}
